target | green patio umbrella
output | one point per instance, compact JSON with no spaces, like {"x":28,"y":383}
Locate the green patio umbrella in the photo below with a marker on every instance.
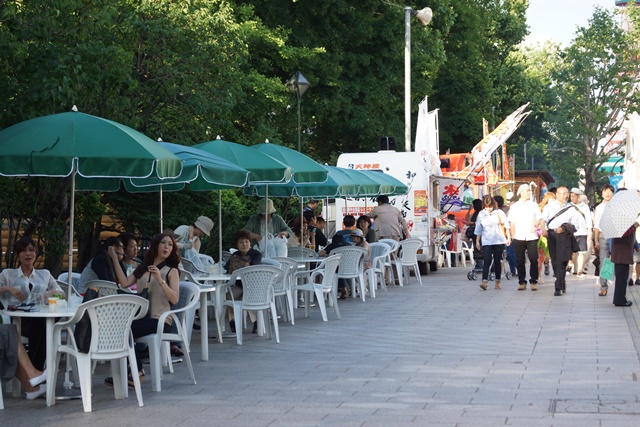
{"x":83,"y":146}
{"x":262,"y":168}
{"x":389,"y":185}
{"x":303,"y":169}
{"x":203,"y":171}
{"x":337,"y":184}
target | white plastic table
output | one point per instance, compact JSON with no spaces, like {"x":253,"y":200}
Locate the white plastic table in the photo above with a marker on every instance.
{"x":50,"y":316}
{"x":210,"y":283}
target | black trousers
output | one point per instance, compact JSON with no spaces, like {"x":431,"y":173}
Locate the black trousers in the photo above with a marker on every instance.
{"x":621,"y":275}
{"x":146,"y":326}
{"x":34,"y":329}
{"x":559,"y":267}
{"x":531,"y":248}
{"x":490,"y":252}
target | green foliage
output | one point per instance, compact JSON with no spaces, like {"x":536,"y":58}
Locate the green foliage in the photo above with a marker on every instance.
{"x":595,"y":91}
{"x":475,"y":81}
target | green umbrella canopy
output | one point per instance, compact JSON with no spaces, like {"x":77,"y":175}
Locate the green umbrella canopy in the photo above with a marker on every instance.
{"x":99,"y":148}
{"x":262,"y":168}
{"x":389,"y":185}
{"x":366,"y":185}
{"x":303,"y":168}
{"x":337,"y":184}
{"x":200,"y":169}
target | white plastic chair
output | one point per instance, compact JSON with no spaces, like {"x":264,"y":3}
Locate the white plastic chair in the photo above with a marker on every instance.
{"x":458,"y":253}
{"x":192,"y":268}
{"x":328,"y":270}
{"x":409,"y":258}
{"x":467,"y":248}
{"x":392,"y":258}
{"x":182,"y":315}
{"x":105,"y":287}
{"x":75,"y":281}
{"x":257,"y":295}
{"x":111,"y":339}
{"x":352,"y":266}
{"x":379,"y":254}
{"x":284,"y":288}
{"x":300,"y":252}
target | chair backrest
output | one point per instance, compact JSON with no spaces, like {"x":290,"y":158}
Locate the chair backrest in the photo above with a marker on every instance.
{"x":186,"y":276}
{"x":191,"y":267}
{"x":352,"y":261}
{"x":392,"y":244}
{"x":257,"y":285}
{"x":105,"y":287}
{"x":379,"y":252}
{"x":329,"y":268}
{"x":111,"y":318}
{"x":270,"y":261}
{"x":75,"y":281}
{"x":409,"y":251}
{"x":185,"y":308}
{"x":300,"y":252}
{"x":289,"y":267}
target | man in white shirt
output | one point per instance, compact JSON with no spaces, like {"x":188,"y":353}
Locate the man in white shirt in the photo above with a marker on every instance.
{"x":562,"y":221}
{"x":582,"y":234}
{"x":600,"y":242}
{"x":525,"y":218}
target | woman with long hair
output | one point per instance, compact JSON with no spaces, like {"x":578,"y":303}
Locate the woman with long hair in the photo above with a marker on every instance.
{"x":102,"y":267}
{"x":158,"y":273}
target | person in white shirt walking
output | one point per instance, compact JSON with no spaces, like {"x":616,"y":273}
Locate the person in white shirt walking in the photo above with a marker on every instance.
{"x":525,"y":218}
{"x":600,"y":242}
{"x":582,"y":234}
{"x":492,"y":229}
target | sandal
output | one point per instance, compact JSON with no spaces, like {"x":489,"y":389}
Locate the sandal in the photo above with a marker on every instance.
{"x":109,"y":380}
{"x":176,"y":351}
{"x":603,"y":293}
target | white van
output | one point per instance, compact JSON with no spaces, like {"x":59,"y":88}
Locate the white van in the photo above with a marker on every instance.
{"x":417,"y":206}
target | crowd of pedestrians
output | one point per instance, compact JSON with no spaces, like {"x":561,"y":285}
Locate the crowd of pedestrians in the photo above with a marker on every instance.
{"x":563,"y":232}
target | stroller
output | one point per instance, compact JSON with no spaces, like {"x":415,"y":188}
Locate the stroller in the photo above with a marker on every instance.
{"x":477,"y":268}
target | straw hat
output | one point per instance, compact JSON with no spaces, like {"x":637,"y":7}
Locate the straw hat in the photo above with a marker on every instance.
{"x":204,"y":224}
{"x":266,"y":205}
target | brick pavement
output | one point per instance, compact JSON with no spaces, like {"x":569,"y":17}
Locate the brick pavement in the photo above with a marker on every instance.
{"x":445,"y":354}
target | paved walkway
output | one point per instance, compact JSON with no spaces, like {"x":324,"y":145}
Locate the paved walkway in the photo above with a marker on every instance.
{"x":445,"y":354}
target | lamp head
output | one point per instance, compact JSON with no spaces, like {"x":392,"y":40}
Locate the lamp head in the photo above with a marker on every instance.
{"x":298,"y":84}
{"x":424,"y":15}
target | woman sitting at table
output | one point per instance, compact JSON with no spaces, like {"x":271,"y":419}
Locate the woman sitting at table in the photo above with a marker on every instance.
{"x":309,"y":236}
{"x":130,"y":260}
{"x":22,"y":283}
{"x":102,"y":267}
{"x":159,"y":274}
{"x":16,"y":362}
{"x":364,"y":224}
{"x":243,"y":257}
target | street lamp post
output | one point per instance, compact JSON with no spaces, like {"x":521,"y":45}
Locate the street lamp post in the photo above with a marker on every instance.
{"x":424,"y":16}
{"x":298,"y":85}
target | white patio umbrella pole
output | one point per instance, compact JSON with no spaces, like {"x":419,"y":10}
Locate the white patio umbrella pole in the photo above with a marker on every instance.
{"x":161,"y":211}
{"x":266,"y":223}
{"x":220,"y":227}
{"x":301,"y":222}
{"x":73,"y":209}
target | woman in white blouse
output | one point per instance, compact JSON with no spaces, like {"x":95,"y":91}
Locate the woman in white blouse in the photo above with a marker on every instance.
{"x":24,"y":282}
{"x":492,"y":229}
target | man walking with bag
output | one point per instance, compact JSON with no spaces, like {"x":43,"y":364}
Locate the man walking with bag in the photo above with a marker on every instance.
{"x":562,"y":221}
